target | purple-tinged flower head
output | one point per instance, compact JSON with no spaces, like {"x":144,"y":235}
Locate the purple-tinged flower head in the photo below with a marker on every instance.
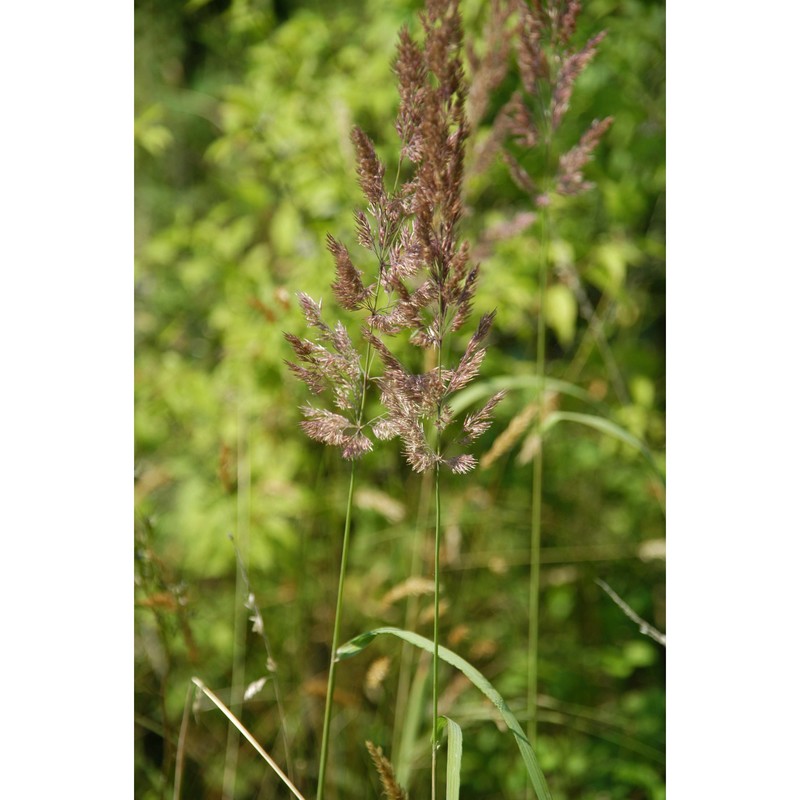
{"x":348,"y":288}
{"x":571,"y":67}
{"x":571,"y":164}
{"x":430,"y":280}
{"x":489,"y":71}
{"x":549,"y":66}
{"x":424,"y":282}
{"x":330,"y":365}
{"x":566,"y":21}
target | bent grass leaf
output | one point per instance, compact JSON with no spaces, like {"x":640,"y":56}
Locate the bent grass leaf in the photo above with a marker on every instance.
{"x":356,"y":645}
{"x":509,"y":383}
{"x":609,"y":428}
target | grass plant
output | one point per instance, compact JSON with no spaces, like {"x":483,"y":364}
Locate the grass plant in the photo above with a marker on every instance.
{"x":428,"y":285}
{"x":398,"y":360}
{"x":549,"y":64}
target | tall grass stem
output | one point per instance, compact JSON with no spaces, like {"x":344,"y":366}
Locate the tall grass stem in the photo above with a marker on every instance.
{"x":326,"y":725}
{"x":407,"y":651}
{"x":437,"y":538}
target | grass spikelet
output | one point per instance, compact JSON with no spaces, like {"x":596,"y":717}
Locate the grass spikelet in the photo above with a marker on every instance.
{"x":391,"y":788}
{"x":511,"y":435}
{"x":376,"y":675}
{"x":414,"y":586}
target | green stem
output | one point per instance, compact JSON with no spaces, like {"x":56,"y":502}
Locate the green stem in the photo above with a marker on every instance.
{"x":536,"y":504}
{"x":437,"y":538}
{"x":326,"y":725}
{"x":399,"y":751}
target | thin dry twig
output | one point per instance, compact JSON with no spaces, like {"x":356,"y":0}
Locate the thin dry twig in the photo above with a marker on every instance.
{"x":247,"y":735}
{"x":259,"y":629}
{"x":644,"y":627}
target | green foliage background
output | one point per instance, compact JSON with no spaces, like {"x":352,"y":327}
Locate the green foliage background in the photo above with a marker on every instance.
{"x":243,"y":164}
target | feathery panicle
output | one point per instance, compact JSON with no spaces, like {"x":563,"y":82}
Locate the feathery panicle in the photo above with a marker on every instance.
{"x":513,"y":120}
{"x":429,"y":285}
{"x":462,"y":464}
{"x":406,"y":258}
{"x":312,"y":311}
{"x":571,"y":163}
{"x":518,"y":174}
{"x":572,"y":66}
{"x":544,"y":30}
{"x":567,"y":19}
{"x":331,"y":366}
{"x":488,"y":73}
{"x":366,"y":238}
{"x":325,"y":426}
{"x":463,"y":301}
{"x":473,"y":356}
{"x":424,"y":273}
{"x":392,"y":789}
{"x":334,"y":429}
{"x":419,"y":454}
{"x":411,"y":76}
{"x":356,"y":446}
{"x":477,"y":424}
{"x":521,"y":124}
{"x":430,"y":279}
{"x":387,"y":357}
{"x":441,"y":21}
{"x":533,"y":65}
{"x":409,"y":400}
{"x":369,"y":168}
{"x":348,"y":287}
{"x":385,"y":428}
{"x":433,"y":197}
{"x":311,"y":375}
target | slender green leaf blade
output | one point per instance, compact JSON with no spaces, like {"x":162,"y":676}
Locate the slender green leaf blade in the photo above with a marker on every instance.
{"x":355,"y":646}
{"x":411,"y":725}
{"x":478,"y":391}
{"x":604,"y":426}
{"x":454,"y":750}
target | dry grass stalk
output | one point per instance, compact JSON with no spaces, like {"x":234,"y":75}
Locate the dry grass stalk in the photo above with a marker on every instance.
{"x":511,"y":435}
{"x":247,"y":735}
{"x":518,"y":426}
